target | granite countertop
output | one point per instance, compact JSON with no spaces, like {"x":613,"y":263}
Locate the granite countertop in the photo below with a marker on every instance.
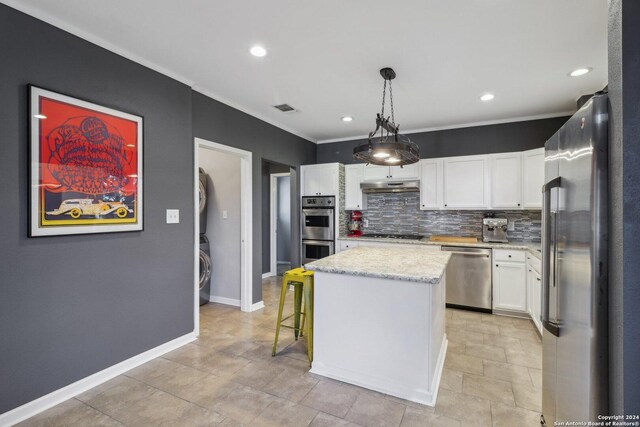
{"x":414,"y":264}
{"x":531,"y":247}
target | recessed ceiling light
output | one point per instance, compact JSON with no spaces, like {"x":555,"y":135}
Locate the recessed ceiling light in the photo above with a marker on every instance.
{"x":39,"y":116}
{"x":580,"y":72}
{"x":487,"y":97}
{"x":258,"y":51}
{"x":347,"y":118}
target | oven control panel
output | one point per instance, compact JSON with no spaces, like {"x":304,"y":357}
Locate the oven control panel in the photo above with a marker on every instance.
{"x":318,"y":201}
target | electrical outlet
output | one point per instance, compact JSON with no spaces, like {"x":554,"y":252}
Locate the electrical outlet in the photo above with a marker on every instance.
{"x":365,"y":222}
{"x":511,"y":226}
{"x":173,"y":216}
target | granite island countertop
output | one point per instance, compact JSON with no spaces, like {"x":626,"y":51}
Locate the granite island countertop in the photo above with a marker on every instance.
{"x":533,"y":248}
{"x":413,"y":263}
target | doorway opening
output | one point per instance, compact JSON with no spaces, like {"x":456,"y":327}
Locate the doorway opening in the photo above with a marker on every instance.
{"x":223,"y":226}
{"x":280,"y":223}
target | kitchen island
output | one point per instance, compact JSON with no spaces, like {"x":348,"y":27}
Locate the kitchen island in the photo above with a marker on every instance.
{"x":379,"y":318}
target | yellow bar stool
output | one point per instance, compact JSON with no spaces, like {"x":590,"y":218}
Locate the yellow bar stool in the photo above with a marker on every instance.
{"x":302,"y":282}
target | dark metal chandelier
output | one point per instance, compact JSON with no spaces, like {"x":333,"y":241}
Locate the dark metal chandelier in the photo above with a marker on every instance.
{"x":389,"y":148}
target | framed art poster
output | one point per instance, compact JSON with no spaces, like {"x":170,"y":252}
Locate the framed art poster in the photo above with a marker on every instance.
{"x":86,"y":167}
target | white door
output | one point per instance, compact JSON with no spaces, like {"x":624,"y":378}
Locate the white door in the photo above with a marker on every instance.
{"x":532,"y":178}
{"x":431,"y":185}
{"x":509,"y":286}
{"x":353,"y":175}
{"x":373,"y":172}
{"x":411,"y":171}
{"x":466,"y":182}
{"x":506,"y":184}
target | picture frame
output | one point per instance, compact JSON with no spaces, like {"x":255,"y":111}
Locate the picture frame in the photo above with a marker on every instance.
{"x":86,"y":167}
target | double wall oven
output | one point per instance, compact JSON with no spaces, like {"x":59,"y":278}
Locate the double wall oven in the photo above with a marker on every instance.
{"x":318,"y":227}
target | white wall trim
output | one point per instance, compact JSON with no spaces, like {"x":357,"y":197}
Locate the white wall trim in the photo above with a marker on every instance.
{"x":273,"y":209}
{"x":223,"y":300}
{"x":246,"y":222}
{"x":52,"y":399}
{"x":257,"y":306}
{"x":458,"y":126}
{"x":269,"y":274}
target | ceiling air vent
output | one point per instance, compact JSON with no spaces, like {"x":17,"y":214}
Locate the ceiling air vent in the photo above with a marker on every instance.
{"x":285,"y":108}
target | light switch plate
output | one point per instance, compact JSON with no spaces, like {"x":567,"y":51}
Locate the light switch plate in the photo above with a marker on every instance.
{"x":225,"y":214}
{"x":173,"y":216}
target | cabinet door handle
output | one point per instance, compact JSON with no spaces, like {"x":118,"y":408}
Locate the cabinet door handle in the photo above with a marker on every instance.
{"x":509,"y":256}
{"x":497,"y":265}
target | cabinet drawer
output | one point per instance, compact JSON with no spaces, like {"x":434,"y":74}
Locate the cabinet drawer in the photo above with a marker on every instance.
{"x":508,"y":255}
{"x":345,"y":244}
{"x":534,"y":263}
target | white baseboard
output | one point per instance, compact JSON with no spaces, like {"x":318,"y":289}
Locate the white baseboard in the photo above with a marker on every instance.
{"x":257,"y":306}
{"x":50,"y":400}
{"x":269,"y":274}
{"x":223,"y":300}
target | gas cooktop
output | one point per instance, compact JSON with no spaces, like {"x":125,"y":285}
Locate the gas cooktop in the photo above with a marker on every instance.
{"x":393,"y":236}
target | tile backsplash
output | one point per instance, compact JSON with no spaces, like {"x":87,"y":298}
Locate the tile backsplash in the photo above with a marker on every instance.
{"x":400,"y":214}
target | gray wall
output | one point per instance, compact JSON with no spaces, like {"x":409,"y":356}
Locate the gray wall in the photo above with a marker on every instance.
{"x":267,"y":169}
{"x":516,"y":136}
{"x":283,"y":244}
{"x":223,"y":194}
{"x":220,"y":123}
{"x":624,"y":220}
{"x":73,"y":305}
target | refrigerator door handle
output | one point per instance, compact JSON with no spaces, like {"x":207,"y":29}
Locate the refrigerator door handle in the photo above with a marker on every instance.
{"x":548,"y":218}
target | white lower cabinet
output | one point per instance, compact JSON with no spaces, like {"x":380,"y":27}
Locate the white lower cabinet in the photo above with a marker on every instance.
{"x":343,"y":245}
{"x":534,"y":290}
{"x":509,"y":283}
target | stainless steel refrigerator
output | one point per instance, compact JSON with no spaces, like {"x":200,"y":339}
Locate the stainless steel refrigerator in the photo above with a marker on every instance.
{"x":574,"y":268}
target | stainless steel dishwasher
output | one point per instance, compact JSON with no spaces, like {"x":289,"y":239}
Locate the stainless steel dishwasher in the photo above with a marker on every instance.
{"x":469,"y":278}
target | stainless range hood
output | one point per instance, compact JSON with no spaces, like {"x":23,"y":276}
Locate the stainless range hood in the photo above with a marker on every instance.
{"x":369,"y":187}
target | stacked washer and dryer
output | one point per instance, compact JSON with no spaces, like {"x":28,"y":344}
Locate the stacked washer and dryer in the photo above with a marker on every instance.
{"x":205,"y":253}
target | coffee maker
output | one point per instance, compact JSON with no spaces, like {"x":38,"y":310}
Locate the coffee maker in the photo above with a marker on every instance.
{"x":494,"y":230}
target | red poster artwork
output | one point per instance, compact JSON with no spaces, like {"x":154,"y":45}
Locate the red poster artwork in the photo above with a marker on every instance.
{"x":89,"y":161}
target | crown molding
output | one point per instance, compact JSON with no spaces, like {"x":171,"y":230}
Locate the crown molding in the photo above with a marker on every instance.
{"x":458,"y":126}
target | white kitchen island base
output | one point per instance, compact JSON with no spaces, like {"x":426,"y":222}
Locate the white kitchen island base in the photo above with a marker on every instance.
{"x":382,"y":334}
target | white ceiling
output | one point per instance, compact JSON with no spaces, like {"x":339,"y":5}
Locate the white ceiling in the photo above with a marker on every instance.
{"x":324,"y":56}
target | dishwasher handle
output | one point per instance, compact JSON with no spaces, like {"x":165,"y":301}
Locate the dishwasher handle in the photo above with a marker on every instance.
{"x":462,"y":250}
{"x":470,"y":253}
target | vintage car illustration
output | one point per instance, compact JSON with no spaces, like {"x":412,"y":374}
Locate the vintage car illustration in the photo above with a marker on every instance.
{"x":78,"y":207}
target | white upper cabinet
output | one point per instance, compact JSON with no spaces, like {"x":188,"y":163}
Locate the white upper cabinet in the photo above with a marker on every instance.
{"x":466,"y":182}
{"x":353,"y":176}
{"x":376,"y":173}
{"x":411,"y":171}
{"x":431,"y":185}
{"x":373,"y":172}
{"x":506,"y":184}
{"x":320,"y":180}
{"x":532,"y":178}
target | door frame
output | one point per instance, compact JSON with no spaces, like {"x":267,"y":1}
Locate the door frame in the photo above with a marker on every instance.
{"x":273,"y":236}
{"x":246,"y":224}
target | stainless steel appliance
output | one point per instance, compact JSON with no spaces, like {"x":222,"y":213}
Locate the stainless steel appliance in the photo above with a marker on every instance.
{"x":469,"y":278}
{"x":318,"y":217}
{"x":494,"y":230}
{"x":574,"y":269}
{"x":205,"y":270}
{"x":318,"y":227}
{"x":370,"y":187}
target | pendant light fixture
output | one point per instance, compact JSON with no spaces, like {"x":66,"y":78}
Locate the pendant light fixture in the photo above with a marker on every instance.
{"x":388,"y":147}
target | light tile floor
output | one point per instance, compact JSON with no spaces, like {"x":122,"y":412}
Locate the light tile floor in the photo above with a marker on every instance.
{"x":492,"y":377}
